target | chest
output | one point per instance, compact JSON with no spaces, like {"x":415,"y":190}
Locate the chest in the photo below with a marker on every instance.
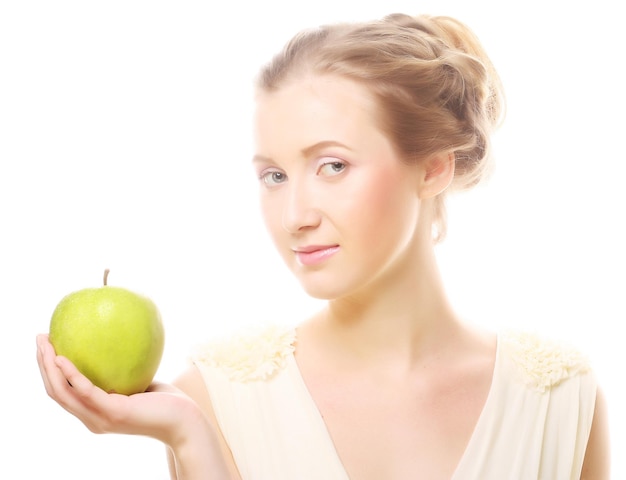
{"x":401,"y":430}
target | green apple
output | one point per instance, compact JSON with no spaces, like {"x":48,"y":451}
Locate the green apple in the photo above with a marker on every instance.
{"x":114,"y":336}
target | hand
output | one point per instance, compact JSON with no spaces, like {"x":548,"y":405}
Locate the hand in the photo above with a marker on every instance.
{"x":161,"y":412}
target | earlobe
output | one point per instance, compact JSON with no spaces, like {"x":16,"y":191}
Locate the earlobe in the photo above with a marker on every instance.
{"x":438,"y":173}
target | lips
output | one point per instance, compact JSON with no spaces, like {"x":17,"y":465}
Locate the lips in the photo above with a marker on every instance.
{"x":315,"y":254}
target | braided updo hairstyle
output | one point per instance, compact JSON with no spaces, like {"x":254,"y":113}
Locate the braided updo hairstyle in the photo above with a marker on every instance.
{"x":435,"y":87}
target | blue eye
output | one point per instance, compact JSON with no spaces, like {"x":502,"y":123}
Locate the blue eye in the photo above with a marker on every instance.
{"x":273,"y":177}
{"x":332,"y":168}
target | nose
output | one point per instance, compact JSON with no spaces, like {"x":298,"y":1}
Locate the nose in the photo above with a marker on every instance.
{"x":299,"y":210}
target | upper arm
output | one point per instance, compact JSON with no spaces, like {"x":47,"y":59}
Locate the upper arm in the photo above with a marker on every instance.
{"x":596,"y":465}
{"x":192,"y":384}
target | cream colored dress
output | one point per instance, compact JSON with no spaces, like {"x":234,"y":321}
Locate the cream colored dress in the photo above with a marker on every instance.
{"x":534,"y":425}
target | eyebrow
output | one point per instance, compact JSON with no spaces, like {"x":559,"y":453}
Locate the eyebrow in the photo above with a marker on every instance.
{"x":307,"y":151}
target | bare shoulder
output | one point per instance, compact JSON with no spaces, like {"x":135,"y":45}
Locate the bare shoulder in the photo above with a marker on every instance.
{"x":597,"y":460}
{"x":190,"y":381}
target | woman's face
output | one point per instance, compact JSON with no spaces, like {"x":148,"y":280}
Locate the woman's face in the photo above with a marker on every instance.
{"x":338,"y":202}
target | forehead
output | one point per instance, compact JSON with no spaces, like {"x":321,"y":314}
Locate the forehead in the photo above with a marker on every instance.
{"x":312,"y":109}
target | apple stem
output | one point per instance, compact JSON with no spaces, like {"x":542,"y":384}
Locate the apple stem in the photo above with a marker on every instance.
{"x":106,"y":275}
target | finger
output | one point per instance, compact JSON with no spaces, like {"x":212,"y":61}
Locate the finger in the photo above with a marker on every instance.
{"x":80,"y":384}
{"x":75,"y":393}
{"x":61,"y":377}
{"x":50,"y":374}
{"x":41,"y":349}
{"x":84,"y":395}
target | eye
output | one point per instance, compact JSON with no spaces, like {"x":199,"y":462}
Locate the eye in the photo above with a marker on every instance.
{"x":331,"y":168}
{"x":273,"y":177}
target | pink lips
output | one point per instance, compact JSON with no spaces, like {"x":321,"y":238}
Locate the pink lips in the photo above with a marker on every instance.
{"x":315,"y":254}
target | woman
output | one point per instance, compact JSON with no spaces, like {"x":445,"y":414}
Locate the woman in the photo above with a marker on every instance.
{"x":361,"y":130}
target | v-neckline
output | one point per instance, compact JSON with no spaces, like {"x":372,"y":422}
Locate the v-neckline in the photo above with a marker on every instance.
{"x":321,"y":423}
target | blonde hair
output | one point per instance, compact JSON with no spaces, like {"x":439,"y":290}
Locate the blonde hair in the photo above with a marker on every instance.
{"x":436,"y":88}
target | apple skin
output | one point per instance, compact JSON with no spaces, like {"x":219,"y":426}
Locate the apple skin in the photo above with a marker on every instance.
{"x":114,"y":336}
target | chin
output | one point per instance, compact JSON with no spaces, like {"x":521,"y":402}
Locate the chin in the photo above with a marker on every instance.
{"x":324,"y":290}
{"x":320,"y":295}
{"x":328,"y":283}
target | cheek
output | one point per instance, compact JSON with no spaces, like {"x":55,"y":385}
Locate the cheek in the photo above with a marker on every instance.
{"x":271,"y":213}
{"x":379,"y":207}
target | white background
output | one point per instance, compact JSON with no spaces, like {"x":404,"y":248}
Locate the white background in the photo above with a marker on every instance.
{"x":125,"y":143}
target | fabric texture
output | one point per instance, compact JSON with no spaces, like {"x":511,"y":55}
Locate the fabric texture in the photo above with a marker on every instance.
{"x":534,"y":425}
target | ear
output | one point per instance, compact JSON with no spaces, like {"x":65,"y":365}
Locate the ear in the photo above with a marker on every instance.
{"x":437,"y":174}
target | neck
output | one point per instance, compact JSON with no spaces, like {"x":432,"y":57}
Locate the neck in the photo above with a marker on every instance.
{"x":406,"y":313}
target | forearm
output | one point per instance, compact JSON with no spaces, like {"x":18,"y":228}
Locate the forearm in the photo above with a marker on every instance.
{"x":196,"y":465}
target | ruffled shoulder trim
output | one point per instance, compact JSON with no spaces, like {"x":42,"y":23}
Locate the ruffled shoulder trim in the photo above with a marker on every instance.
{"x":249,"y":356}
{"x":543,"y":363}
